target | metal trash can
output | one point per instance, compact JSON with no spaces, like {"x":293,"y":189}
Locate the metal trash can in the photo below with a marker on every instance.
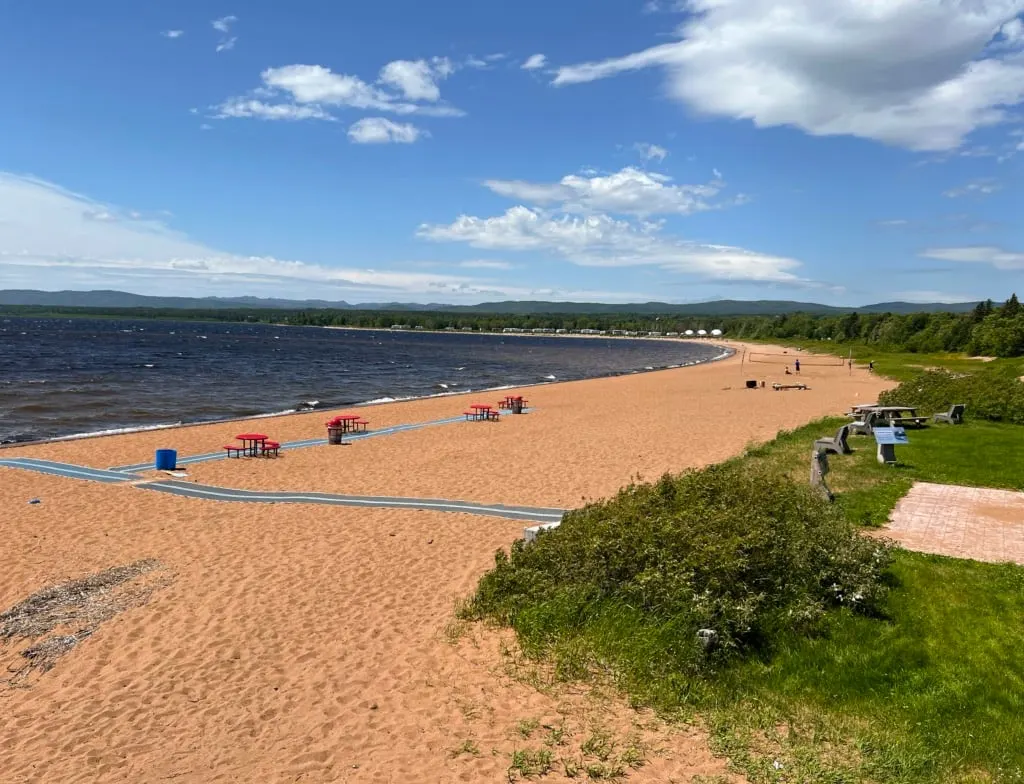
{"x":335,"y":435}
{"x":517,"y":406}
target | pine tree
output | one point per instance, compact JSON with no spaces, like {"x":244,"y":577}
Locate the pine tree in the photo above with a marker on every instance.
{"x":1012,"y":307}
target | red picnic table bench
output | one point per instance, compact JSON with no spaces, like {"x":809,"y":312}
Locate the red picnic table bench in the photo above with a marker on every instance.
{"x":481,"y":412}
{"x":513,"y":403}
{"x":253,"y":445}
{"x":349,"y":423}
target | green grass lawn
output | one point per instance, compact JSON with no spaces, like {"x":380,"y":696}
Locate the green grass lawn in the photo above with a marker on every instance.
{"x":932,"y":693}
{"x":980,"y":454}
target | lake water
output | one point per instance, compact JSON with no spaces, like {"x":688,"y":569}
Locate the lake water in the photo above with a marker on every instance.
{"x":61,"y":377}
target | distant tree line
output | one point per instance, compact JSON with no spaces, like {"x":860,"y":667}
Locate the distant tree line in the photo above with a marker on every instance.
{"x":987,"y":330}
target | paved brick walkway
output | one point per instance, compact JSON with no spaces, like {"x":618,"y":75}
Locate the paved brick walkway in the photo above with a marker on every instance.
{"x":964,"y":522}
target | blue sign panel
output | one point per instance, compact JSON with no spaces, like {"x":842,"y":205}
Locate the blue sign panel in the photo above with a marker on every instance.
{"x":890,"y":435}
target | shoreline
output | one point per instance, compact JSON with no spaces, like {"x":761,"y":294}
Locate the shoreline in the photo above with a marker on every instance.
{"x":292,"y":641}
{"x":726,"y":352}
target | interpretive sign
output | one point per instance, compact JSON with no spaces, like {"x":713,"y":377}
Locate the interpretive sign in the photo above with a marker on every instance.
{"x":887,"y":439}
{"x":890,"y":435}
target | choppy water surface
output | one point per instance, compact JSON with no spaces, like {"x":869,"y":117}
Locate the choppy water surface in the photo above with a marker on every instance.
{"x":61,"y":377}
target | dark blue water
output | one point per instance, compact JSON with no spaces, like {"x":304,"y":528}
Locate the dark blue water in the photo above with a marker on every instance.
{"x":62,"y":377}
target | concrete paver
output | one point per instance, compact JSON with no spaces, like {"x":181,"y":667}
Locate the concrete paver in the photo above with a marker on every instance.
{"x":963,"y":522}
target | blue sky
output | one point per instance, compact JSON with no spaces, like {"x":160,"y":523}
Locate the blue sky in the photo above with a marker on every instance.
{"x":628,"y":150}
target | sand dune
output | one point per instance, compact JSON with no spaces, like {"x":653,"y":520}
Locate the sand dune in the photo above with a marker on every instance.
{"x":298,"y":643}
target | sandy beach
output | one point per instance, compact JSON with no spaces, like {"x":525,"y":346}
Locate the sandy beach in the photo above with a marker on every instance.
{"x":317,"y":644}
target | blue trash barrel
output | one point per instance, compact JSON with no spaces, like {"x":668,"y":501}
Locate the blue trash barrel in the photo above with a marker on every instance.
{"x":166,"y":459}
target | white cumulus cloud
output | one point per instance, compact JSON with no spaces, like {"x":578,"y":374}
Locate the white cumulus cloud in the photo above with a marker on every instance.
{"x":380,"y":130}
{"x":630,"y":191}
{"x":920,"y":75}
{"x":570,"y":219}
{"x":417,"y":80}
{"x":414,"y":91}
{"x":172,"y":33}
{"x":603,"y":241}
{"x":534,"y":62}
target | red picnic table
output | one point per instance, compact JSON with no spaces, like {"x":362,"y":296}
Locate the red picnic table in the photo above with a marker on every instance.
{"x":514,"y":403}
{"x":252,"y":443}
{"x":348,"y":422}
{"x":481,"y":412}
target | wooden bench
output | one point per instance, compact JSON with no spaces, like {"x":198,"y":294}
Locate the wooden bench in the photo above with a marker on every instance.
{"x":470,"y":415}
{"x":493,"y":416}
{"x":238,"y":449}
{"x":360,"y":425}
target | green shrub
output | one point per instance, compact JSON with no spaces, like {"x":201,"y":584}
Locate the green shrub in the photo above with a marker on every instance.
{"x":629,"y":582}
{"x":992,"y":393}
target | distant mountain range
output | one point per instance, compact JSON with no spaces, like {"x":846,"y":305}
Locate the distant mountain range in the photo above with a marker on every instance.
{"x":725,"y":307}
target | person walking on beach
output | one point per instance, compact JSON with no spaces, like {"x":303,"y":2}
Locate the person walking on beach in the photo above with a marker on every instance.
{"x":796,"y":364}
{"x":871,"y":366}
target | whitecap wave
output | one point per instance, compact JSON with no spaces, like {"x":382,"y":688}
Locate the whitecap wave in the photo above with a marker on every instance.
{"x":115,"y":431}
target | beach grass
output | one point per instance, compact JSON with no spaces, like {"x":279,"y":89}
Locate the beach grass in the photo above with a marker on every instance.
{"x":929,"y":689}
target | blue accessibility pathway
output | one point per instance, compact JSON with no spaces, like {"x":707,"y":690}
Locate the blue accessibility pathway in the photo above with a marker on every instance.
{"x":531,"y":514}
{"x":350,"y":438}
{"x":70,"y":471}
{"x":191,"y":490}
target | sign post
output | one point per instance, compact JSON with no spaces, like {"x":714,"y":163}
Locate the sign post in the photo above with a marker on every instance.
{"x":887,"y":438}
